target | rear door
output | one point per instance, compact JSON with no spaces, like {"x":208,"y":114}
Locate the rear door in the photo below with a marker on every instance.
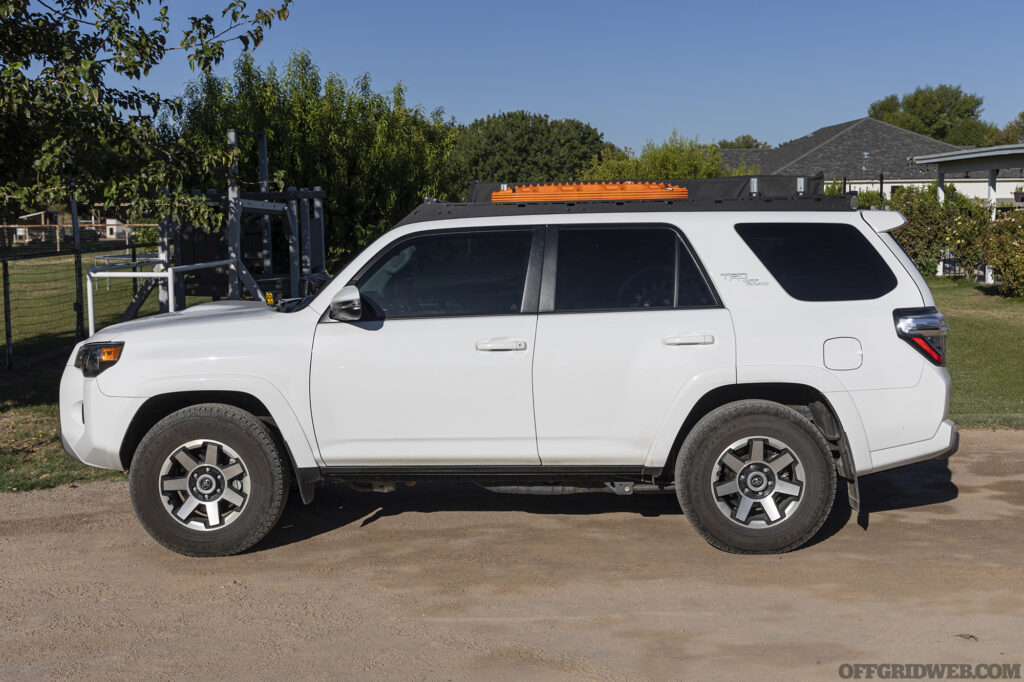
{"x":627,"y":319}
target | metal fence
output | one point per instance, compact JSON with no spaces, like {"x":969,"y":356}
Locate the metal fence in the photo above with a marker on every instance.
{"x":43,"y":303}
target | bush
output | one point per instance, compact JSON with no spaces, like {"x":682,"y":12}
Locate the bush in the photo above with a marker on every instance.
{"x":1004,"y":250}
{"x":958,"y":226}
{"x":870,"y":198}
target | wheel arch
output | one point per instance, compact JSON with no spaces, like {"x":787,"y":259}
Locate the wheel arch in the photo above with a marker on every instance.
{"x":281,"y":423}
{"x":806,"y":399}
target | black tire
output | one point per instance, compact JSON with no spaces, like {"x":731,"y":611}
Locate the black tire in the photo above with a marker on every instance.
{"x":710,"y":485}
{"x":240,"y":442}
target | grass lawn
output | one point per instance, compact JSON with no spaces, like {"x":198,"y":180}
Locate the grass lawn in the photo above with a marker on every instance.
{"x":986,"y":360}
{"x":31,"y":456}
{"x":985,"y":353}
{"x":42,"y":299}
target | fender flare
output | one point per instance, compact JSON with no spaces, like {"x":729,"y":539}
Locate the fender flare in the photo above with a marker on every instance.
{"x":299,"y":440}
{"x":821,"y":380}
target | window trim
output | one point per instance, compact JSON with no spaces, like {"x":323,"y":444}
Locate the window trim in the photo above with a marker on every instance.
{"x":531,"y":285}
{"x":550,"y":271}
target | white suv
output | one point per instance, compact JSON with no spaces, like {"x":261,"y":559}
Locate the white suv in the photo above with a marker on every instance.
{"x":743,"y":354}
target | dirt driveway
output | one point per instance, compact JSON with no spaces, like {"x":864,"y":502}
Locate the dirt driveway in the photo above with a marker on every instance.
{"x":451,"y":581}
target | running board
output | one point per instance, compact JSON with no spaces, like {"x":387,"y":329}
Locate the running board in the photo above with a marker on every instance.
{"x":489,"y":473}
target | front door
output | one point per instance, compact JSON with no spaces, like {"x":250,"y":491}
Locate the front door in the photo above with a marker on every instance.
{"x":438,"y":370}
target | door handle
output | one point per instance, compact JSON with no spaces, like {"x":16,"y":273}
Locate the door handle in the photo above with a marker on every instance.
{"x":698,"y":339}
{"x":501,"y":343}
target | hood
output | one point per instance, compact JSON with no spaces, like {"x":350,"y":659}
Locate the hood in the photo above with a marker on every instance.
{"x":201,"y":315}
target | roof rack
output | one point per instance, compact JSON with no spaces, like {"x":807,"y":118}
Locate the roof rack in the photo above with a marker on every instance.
{"x":588,"y":191}
{"x":743,"y":193}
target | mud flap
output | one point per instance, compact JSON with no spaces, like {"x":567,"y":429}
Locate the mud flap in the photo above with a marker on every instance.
{"x":307,"y":479}
{"x":853,"y":492}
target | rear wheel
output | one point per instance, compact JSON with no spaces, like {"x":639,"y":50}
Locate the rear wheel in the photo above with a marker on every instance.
{"x":208,"y":481}
{"x":755,"y":477}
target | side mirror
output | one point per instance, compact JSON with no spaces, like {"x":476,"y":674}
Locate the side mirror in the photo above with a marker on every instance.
{"x":346,"y":306}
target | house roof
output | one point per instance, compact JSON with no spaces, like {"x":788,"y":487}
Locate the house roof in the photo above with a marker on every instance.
{"x":855,"y":150}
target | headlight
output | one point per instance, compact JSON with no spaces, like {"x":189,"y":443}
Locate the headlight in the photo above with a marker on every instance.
{"x":93,"y":358}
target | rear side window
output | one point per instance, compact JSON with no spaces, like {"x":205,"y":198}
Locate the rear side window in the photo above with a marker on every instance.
{"x":610,"y":268}
{"x":819,"y":261}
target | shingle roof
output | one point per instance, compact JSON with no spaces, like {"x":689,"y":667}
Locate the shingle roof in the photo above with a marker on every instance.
{"x":838,"y":151}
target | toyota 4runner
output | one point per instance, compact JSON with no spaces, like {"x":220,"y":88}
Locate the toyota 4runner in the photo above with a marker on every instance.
{"x":743,"y":354}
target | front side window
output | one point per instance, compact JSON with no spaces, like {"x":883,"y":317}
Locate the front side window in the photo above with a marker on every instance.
{"x":819,"y":261}
{"x":478,"y":273}
{"x":610,"y":268}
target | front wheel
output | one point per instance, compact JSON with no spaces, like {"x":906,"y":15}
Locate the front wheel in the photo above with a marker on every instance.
{"x":755,"y":477}
{"x":208,"y":480}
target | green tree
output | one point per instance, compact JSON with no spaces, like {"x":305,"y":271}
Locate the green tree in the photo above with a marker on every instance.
{"x":743,"y":142}
{"x":676,"y":157}
{"x":1013,"y":132}
{"x":376,"y":156}
{"x":519,"y":146}
{"x":944,"y":112}
{"x":61,"y":116}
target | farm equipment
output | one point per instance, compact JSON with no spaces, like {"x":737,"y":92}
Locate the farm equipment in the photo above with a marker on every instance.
{"x":240,"y":260}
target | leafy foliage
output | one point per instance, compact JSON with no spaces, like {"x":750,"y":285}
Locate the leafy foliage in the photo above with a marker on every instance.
{"x":1004,"y":250}
{"x":376,"y":156}
{"x":1012,"y":132}
{"x":743,"y":142}
{"x":959,"y":226}
{"x":63,"y":119}
{"x":519,"y":146}
{"x":676,"y":157}
{"x":944,"y":112}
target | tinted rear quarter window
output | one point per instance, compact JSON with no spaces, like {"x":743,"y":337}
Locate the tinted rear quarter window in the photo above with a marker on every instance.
{"x":819,"y":261}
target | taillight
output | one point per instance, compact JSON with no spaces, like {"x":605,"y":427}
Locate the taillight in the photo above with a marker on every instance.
{"x":924,"y":329}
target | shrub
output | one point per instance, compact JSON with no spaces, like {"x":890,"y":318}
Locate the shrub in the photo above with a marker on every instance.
{"x":870,"y":198}
{"x":1004,"y":250}
{"x":958,"y":226}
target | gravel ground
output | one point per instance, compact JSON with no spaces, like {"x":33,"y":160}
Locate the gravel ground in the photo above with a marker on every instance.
{"x":452,"y":581}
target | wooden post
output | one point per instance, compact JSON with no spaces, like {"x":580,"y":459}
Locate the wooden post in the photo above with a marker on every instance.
{"x":8,"y":336}
{"x":942,"y":187}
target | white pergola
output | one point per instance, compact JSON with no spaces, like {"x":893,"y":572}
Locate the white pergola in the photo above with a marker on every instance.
{"x":991,"y":159}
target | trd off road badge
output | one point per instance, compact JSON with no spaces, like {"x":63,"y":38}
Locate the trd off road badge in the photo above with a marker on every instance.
{"x":742,"y":277}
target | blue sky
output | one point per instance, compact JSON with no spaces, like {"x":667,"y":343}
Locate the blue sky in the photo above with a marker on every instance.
{"x":638,"y":70}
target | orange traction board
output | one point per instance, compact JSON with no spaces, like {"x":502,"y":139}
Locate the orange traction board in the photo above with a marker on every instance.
{"x":589,"y":191}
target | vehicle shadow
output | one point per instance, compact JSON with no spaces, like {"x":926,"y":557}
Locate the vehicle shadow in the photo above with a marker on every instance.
{"x":337,"y":506}
{"x":914,"y":485}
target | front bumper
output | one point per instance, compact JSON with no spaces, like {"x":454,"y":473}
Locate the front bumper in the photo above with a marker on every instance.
{"x":93,"y":425}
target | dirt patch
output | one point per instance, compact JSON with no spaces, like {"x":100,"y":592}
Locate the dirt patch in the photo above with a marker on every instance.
{"x":451,"y":581}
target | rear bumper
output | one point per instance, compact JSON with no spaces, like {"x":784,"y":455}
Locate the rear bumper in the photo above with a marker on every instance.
{"x":953,"y":447}
{"x":943,"y":444}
